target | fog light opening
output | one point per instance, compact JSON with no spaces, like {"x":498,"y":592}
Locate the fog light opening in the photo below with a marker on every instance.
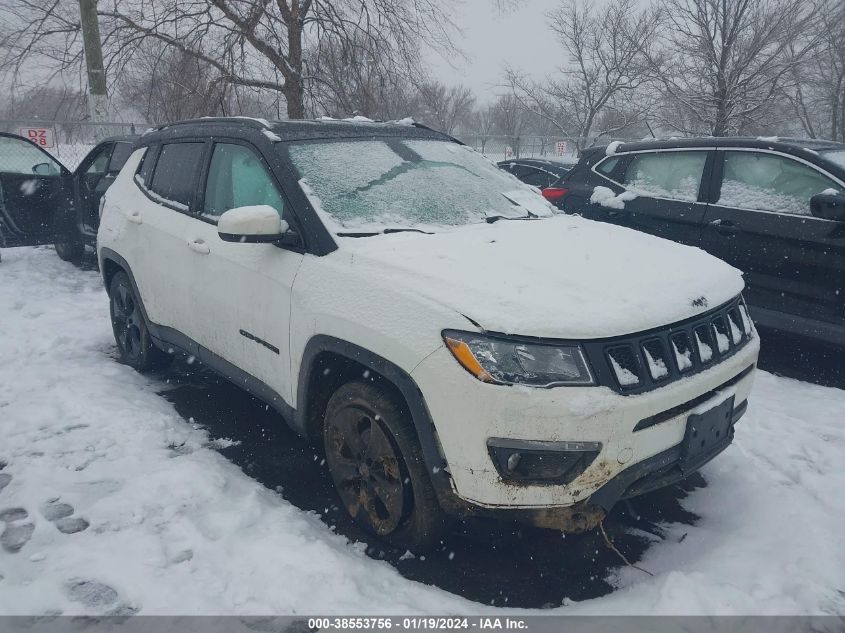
{"x":513,"y":461}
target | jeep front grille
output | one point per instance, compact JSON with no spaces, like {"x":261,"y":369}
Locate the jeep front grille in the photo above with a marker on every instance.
{"x":641,"y":362}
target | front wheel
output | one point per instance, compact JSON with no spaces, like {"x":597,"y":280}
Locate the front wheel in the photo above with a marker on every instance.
{"x":130,"y":330}
{"x":377,"y":467}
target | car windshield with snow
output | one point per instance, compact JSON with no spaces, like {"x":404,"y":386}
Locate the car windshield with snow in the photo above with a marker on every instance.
{"x":449,"y":344}
{"x":408,"y":183}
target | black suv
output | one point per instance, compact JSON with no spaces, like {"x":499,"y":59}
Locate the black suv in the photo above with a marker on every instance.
{"x":43,"y":202}
{"x":774,"y":208}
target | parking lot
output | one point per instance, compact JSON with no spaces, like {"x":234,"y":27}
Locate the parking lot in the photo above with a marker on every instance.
{"x":195,"y":498}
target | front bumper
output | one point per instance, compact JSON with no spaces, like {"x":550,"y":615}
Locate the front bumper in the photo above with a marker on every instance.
{"x":638,"y":436}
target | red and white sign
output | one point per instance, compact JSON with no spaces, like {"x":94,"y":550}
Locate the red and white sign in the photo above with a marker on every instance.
{"x":41,"y":136}
{"x":560,"y":148}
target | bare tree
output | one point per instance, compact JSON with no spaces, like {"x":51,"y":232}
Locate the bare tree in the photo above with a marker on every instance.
{"x":606,"y":51}
{"x":51,"y":103}
{"x":509,"y":117}
{"x":354,"y":78}
{"x":723,"y":62}
{"x":259,"y":44}
{"x":167,"y":85}
{"x":816,"y":90}
{"x":445,"y":107}
{"x":482,"y":123}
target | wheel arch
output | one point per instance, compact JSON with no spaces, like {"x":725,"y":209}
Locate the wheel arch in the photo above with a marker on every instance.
{"x":330,"y":362}
{"x":110,"y":264}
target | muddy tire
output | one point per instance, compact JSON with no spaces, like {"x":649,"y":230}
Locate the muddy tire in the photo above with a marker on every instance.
{"x":377,"y":467}
{"x":130,"y":330}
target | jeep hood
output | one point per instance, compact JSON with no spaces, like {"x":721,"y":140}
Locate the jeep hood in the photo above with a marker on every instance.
{"x":561,"y":277}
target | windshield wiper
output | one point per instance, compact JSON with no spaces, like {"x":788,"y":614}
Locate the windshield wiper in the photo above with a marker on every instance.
{"x":384,"y":232}
{"x":490,"y":219}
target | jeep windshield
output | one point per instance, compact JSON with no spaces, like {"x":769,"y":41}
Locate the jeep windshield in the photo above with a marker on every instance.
{"x":362,"y":187}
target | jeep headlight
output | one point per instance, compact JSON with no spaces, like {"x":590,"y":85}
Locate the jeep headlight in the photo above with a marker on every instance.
{"x":507,"y":361}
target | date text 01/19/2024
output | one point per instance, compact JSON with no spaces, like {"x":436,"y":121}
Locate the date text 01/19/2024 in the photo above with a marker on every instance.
{"x":428,"y":623}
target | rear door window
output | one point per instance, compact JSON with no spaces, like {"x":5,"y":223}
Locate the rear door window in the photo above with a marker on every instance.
{"x":769,"y":182}
{"x":100,"y":162}
{"x":119,"y":156}
{"x":175,"y":173}
{"x":673,"y":175}
{"x":538,"y":178}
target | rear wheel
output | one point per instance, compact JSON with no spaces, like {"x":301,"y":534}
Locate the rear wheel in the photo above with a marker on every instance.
{"x":130,"y":330}
{"x":376,"y":464}
{"x":70,"y":250}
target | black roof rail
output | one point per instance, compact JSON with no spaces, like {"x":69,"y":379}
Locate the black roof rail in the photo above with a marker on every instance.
{"x":219,"y":119}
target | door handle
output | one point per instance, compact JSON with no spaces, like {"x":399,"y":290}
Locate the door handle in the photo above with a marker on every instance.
{"x":199,"y":246}
{"x":135,"y":217}
{"x":724,"y":227}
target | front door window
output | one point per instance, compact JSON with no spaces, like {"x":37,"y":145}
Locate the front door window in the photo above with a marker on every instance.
{"x":768,"y":182}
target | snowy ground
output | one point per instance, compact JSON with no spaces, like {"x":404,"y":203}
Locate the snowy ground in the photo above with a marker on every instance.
{"x":111,"y":502}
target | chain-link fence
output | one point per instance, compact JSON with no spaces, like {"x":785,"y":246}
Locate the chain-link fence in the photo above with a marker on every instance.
{"x":68,"y":141}
{"x":505,"y":147}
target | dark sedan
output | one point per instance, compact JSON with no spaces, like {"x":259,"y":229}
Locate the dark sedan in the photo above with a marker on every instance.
{"x":538,"y":172}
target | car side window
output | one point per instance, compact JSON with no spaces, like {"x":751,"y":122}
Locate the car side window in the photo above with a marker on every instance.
{"x":537,"y":178}
{"x":175,"y":173}
{"x":674,"y":175}
{"x":768,"y":182}
{"x":607,"y":166}
{"x":238,"y":178}
{"x":122,"y":152}
{"x":101,"y":161}
{"x":17,"y":156}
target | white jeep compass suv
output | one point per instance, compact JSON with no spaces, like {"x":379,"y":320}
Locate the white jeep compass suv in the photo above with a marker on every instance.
{"x":454,"y":347}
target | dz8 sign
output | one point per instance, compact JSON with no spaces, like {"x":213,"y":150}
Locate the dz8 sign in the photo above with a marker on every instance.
{"x":41,"y":136}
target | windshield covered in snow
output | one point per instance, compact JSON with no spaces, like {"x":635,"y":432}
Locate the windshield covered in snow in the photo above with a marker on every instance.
{"x":836,"y":155}
{"x":375,"y":184}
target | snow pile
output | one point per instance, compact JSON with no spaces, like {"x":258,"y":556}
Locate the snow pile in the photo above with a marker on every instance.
{"x":684,"y":359}
{"x":173,"y":527}
{"x":624,"y":375}
{"x":746,"y":196}
{"x":605,"y":197}
{"x":612,"y":148}
{"x":685,"y":188}
{"x":656,"y":366}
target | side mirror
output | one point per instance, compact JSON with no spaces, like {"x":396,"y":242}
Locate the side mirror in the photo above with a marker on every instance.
{"x":828,"y":206}
{"x":42,"y":169}
{"x":250,"y":225}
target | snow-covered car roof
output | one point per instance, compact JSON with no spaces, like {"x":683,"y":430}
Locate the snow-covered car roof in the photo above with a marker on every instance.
{"x":808,"y":149}
{"x":298,"y":130}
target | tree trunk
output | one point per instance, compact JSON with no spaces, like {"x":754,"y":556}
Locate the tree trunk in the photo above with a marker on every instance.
{"x":295,"y":97}
{"x":294,"y":89}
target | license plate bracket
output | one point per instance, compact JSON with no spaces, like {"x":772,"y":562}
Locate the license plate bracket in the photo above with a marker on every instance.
{"x":707,"y":434}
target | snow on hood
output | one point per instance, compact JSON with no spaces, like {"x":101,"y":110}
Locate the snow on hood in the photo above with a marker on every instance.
{"x":564,"y":277}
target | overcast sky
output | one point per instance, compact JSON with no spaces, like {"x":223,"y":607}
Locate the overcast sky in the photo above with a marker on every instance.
{"x":492,"y":38}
